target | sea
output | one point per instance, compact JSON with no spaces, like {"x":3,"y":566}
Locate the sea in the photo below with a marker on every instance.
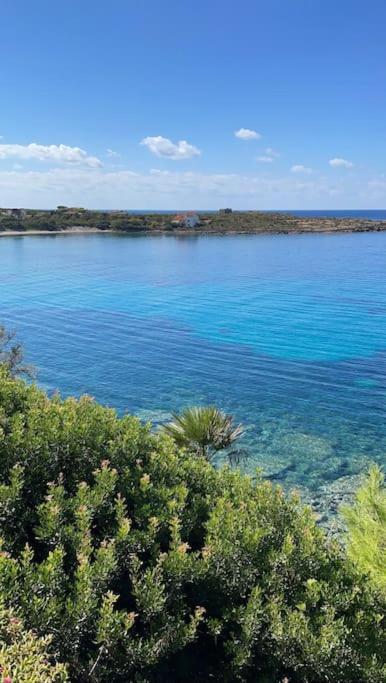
{"x":286,"y":333}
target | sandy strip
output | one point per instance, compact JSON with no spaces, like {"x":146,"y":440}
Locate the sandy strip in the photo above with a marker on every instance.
{"x":70,"y":231}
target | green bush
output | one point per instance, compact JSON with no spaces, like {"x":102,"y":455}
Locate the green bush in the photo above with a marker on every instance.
{"x":142,"y":562}
{"x":366,"y":522}
{"x":24,"y":658}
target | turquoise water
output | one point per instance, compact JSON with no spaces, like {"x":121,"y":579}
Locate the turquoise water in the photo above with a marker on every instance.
{"x":288,"y":333}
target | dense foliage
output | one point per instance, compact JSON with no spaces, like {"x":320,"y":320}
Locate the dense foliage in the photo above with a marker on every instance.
{"x":24,"y":658}
{"x":140,"y":562}
{"x":66,"y":218}
{"x":366,"y":522}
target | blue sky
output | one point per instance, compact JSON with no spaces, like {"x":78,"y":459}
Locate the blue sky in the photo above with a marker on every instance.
{"x":136,"y":104}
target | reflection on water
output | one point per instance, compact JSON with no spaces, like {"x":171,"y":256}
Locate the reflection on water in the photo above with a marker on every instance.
{"x":287,"y":333}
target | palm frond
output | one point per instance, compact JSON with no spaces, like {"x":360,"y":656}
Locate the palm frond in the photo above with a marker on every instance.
{"x":205,"y":429}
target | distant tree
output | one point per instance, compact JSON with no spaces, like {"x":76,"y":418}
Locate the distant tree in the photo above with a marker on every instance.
{"x":102,"y":225}
{"x":12,"y":355}
{"x":10,"y":223}
{"x":206,"y":430}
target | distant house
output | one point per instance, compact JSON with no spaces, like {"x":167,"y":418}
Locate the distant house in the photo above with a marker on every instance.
{"x":225,"y":210}
{"x":187,"y":220}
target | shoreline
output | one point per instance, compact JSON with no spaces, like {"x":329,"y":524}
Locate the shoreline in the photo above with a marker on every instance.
{"x":74,"y":221}
{"x":298,"y":230}
{"x":70,"y":231}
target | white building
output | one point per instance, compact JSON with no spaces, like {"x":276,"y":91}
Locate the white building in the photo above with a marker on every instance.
{"x":187,"y":220}
{"x":190,"y":220}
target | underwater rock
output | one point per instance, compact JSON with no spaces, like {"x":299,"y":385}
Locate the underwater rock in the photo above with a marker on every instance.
{"x":156,"y":417}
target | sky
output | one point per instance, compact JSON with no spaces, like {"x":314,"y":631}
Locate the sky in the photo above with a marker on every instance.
{"x":193,"y":104}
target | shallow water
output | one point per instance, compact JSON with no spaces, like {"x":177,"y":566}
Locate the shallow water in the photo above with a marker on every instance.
{"x":288,"y":333}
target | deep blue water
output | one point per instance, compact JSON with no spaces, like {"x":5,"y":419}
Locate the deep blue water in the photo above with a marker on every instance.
{"x":288,"y":333}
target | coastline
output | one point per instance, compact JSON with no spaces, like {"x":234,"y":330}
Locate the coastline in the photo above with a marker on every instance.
{"x":72,"y":221}
{"x":318,"y":226}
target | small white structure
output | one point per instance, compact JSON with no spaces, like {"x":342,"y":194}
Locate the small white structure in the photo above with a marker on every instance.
{"x":187,"y":220}
{"x":191,"y":220}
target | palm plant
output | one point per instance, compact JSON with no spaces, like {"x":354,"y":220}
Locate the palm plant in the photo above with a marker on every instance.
{"x":205,"y":430}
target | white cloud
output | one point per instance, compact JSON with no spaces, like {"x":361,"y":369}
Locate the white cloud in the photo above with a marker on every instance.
{"x":113,"y":155}
{"x":299,"y":168}
{"x":269,"y":156}
{"x":57,"y":153}
{"x":163,"y":147}
{"x":343,"y":163}
{"x":378,"y":183}
{"x":160,"y":189}
{"x":271,"y":152}
{"x":247,"y":134}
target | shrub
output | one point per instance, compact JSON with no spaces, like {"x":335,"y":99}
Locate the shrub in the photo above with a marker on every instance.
{"x":11,"y":354}
{"x":366,"y":522}
{"x":24,"y":658}
{"x":142,"y":562}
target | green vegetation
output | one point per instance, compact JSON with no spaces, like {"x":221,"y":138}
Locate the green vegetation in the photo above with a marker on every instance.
{"x":12,"y":355}
{"x":24,"y":658}
{"x":128,"y":558}
{"x":65,"y":218}
{"x":205,"y":431}
{"x":76,"y":218}
{"x":366,"y":522}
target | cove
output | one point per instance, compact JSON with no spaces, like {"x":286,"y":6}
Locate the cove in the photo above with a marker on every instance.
{"x":288,"y":333}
